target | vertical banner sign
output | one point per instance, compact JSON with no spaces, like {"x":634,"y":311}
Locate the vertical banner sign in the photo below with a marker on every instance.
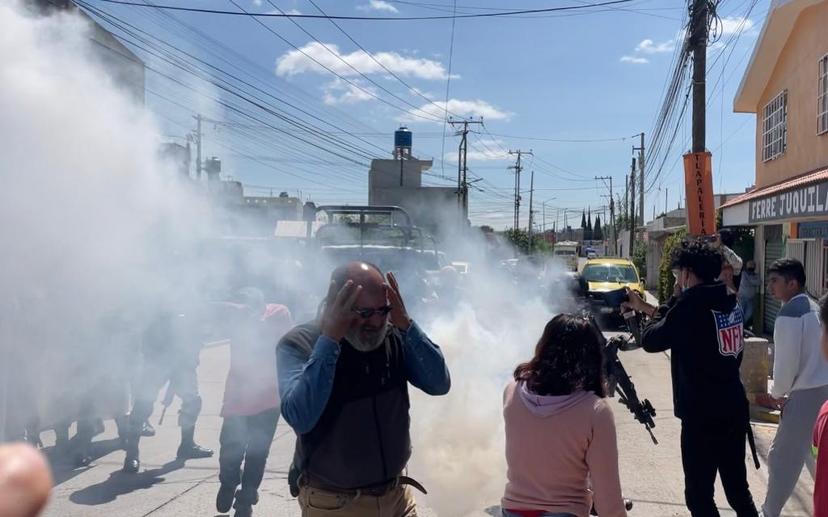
{"x":698,"y":188}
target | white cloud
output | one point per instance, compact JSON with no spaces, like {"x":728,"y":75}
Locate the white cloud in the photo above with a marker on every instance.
{"x":378,"y":5}
{"x":258,"y":3}
{"x":340,"y":92}
{"x":648,"y":46}
{"x":634,"y":60}
{"x":733,"y":24}
{"x":295,"y":62}
{"x":457,"y":107}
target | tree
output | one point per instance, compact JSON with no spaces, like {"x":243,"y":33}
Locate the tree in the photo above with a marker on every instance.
{"x":583,"y":221}
{"x":520,"y":240}
{"x":588,"y":235}
{"x":666,"y":281}
{"x":597,"y":232}
{"x":639,"y":258}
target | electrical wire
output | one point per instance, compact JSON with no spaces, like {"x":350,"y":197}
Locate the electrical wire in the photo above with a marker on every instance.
{"x":371,"y":18}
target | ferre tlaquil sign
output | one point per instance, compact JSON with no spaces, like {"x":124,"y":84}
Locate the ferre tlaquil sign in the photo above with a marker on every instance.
{"x":807,"y":201}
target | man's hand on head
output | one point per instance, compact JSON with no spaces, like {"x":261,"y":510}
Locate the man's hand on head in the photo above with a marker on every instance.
{"x":399,"y":315}
{"x":339,"y":315}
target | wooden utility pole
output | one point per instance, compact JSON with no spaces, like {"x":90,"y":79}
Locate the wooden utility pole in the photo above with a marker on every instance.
{"x":698,"y":42}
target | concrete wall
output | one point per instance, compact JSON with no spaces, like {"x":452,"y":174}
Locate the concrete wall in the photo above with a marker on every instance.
{"x":797,"y":70}
{"x":385,"y":174}
{"x":435,"y":209}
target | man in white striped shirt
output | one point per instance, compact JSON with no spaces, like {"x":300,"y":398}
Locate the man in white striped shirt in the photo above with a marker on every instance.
{"x":800,"y":381}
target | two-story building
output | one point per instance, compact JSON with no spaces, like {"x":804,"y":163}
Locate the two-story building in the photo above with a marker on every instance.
{"x":786,"y":86}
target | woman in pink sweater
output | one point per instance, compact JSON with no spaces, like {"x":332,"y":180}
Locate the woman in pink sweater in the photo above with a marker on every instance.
{"x":561,"y":447}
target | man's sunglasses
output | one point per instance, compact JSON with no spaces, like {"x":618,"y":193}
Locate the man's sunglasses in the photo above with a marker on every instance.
{"x":367,"y":313}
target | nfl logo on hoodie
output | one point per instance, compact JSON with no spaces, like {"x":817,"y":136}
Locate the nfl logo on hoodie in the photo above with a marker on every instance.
{"x":729,"y":328}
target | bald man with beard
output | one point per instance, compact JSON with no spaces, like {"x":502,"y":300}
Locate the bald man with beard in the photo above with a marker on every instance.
{"x":343,"y":381}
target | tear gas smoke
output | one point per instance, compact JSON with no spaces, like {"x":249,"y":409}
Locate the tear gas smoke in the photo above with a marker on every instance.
{"x":458,"y":440}
{"x":99,"y":236}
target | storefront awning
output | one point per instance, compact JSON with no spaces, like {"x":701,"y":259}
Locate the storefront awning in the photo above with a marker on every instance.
{"x":802,"y":197}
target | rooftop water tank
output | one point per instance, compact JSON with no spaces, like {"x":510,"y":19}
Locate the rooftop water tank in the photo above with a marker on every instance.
{"x":402,"y":142}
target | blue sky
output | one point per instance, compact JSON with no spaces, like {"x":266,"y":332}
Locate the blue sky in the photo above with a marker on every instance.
{"x":591,"y":76}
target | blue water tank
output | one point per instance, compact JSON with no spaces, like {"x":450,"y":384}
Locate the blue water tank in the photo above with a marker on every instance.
{"x":402,"y":138}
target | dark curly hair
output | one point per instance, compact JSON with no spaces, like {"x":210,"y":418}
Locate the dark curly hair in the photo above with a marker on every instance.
{"x":567,"y":358}
{"x":700,"y":257}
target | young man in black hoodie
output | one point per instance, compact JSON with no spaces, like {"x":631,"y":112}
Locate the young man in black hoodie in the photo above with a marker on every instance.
{"x":703,"y":326}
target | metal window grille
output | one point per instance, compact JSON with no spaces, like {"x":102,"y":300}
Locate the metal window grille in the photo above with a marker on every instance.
{"x":822,"y":96}
{"x":775,"y":127}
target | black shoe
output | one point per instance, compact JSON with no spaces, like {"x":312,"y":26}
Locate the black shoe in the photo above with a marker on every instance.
{"x":193,"y":451}
{"x":243,"y":510}
{"x":147,"y":429}
{"x":224,"y":499}
{"x":132,"y":465}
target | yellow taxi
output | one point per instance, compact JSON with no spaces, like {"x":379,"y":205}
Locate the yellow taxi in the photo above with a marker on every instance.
{"x":604,"y":275}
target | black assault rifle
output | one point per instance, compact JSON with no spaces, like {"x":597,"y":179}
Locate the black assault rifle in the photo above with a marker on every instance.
{"x":618,"y":381}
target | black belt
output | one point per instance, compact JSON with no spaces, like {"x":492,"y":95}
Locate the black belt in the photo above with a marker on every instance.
{"x":378,"y":490}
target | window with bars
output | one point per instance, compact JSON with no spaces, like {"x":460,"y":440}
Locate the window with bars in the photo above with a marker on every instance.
{"x":775,"y":127}
{"x":822,"y":96}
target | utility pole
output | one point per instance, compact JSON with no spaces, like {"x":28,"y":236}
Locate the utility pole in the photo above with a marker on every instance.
{"x":531,"y":195}
{"x":633,"y":215}
{"x":640,"y":150}
{"x":698,"y":42}
{"x":612,"y":214}
{"x":198,"y":146}
{"x":666,"y":190}
{"x":518,"y":167}
{"x":462,"y":165}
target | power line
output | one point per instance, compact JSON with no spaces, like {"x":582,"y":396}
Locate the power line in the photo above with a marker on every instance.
{"x":559,"y":140}
{"x":373,"y":18}
{"x":332,"y":71}
{"x":448,"y":86}
{"x":221,"y":84}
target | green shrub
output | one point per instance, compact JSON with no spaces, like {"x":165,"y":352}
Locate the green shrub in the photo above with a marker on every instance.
{"x":639,"y":257}
{"x":666,"y":282}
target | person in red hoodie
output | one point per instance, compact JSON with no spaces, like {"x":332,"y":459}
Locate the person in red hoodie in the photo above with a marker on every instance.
{"x":820,"y":438}
{"x":561,"y":446}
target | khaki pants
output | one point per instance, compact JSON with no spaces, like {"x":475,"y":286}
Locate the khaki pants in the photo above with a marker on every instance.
{"x":399,"y":502}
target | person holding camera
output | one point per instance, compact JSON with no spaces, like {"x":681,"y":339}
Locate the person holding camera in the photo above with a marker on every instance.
{"x":560,"y":430}
{"x":703,"y":326}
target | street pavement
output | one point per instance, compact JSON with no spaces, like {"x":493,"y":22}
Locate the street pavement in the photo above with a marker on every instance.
{"x":651,"y":474}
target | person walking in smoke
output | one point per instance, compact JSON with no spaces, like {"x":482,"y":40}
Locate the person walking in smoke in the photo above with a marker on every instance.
{"x":703,"y":326}
{"x":344,"y":381}
{"x":800,"y":381}
{"x":560,"y":430}
{"x":251,"y":400}
{"x":171,"y":348}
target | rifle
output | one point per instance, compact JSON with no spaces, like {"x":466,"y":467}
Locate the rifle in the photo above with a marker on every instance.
{"x":618,"y":381}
